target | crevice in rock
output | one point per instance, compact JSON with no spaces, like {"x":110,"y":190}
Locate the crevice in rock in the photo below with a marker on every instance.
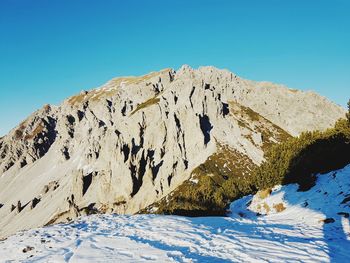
{"x":4,"y":151}
{"x":171,"y":76}
{"x":175,"y":165}
{"x":101,"y":123}
{"x":134,"y":148}
{"x":225,"y":109}
{"x":180,"y":147}
{"x":23,"y":163}
{"x":65,"y":153}
{"x":137,"y":175}
{"x":87,"y":180}
{"x":34,"y":202}
{"x":71,"y":132}
{"x":9,"y":165}
{"x":123,"y":111}
{"x":109,"y":105}
{"x":132,"y":169}
{"x":150,"y":154}
{"x":126,"y":150}
{"x":141,"y":134}
{"x":206,"y":127}
{"x":191,"y":94}
{"x":184,"y":150}
{"x":142,"y":168}
{"x":155,"y":169}
{"x":162,"y":152}
{"x":185,"y":163}
{"x":156,"y":88}
{"x":70,"y":119}
{"x":161,"y":186}
{"x":169,"y":179}
{"x":175,"y":99}
{"x":19,"y":207}
{"x":118,"y":133}
{"x":80,"y":115}
{"x":204,"y":104}
{"x":177,"y":122}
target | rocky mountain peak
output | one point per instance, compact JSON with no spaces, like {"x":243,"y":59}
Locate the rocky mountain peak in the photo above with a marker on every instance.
{"x":129,"y":143}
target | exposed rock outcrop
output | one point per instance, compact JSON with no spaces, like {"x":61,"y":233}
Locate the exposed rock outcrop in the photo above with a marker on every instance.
{"x":123,"y":146}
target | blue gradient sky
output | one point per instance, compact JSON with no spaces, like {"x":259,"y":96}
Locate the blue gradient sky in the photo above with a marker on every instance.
{"x":51,"y":49}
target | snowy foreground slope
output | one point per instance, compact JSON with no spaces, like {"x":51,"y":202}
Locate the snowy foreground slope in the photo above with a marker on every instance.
{"x":313,"y":227}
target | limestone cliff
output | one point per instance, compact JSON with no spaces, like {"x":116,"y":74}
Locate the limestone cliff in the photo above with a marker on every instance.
{"x":123,"y":146}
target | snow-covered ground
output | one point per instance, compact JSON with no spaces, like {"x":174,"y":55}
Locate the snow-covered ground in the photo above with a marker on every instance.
{"x":297,"y":234}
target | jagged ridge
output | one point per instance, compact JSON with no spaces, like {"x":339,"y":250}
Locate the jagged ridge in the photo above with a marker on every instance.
{"x":129,"y":143}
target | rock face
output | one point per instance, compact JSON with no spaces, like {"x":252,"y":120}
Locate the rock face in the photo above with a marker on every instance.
{"x":129,"y":143}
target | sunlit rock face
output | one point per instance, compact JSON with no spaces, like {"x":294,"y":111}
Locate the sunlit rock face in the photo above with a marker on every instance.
{"x":129,"y":143}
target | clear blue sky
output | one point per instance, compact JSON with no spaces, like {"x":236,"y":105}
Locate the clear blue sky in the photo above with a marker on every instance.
{"x":50,"y":49}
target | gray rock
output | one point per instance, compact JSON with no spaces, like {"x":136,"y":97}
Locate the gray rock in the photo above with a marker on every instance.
{"x":132,"y":141}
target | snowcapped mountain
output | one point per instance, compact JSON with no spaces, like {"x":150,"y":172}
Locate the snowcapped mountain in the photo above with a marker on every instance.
{"x":281,"y":225}
{"x":128,"y":144}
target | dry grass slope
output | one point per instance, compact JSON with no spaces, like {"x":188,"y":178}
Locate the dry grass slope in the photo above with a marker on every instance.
{"x":253,"y":121}
{"x":146,"y":104}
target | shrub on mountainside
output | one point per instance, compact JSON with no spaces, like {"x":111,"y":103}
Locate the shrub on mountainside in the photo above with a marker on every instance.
{"x":299,"y":159}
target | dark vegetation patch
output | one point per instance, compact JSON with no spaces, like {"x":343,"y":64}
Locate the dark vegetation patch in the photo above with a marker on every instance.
{"x":221,"y":178}
{"x":299,"y":159}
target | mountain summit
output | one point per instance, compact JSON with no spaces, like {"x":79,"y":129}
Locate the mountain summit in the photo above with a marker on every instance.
{"x":130,"y":143}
